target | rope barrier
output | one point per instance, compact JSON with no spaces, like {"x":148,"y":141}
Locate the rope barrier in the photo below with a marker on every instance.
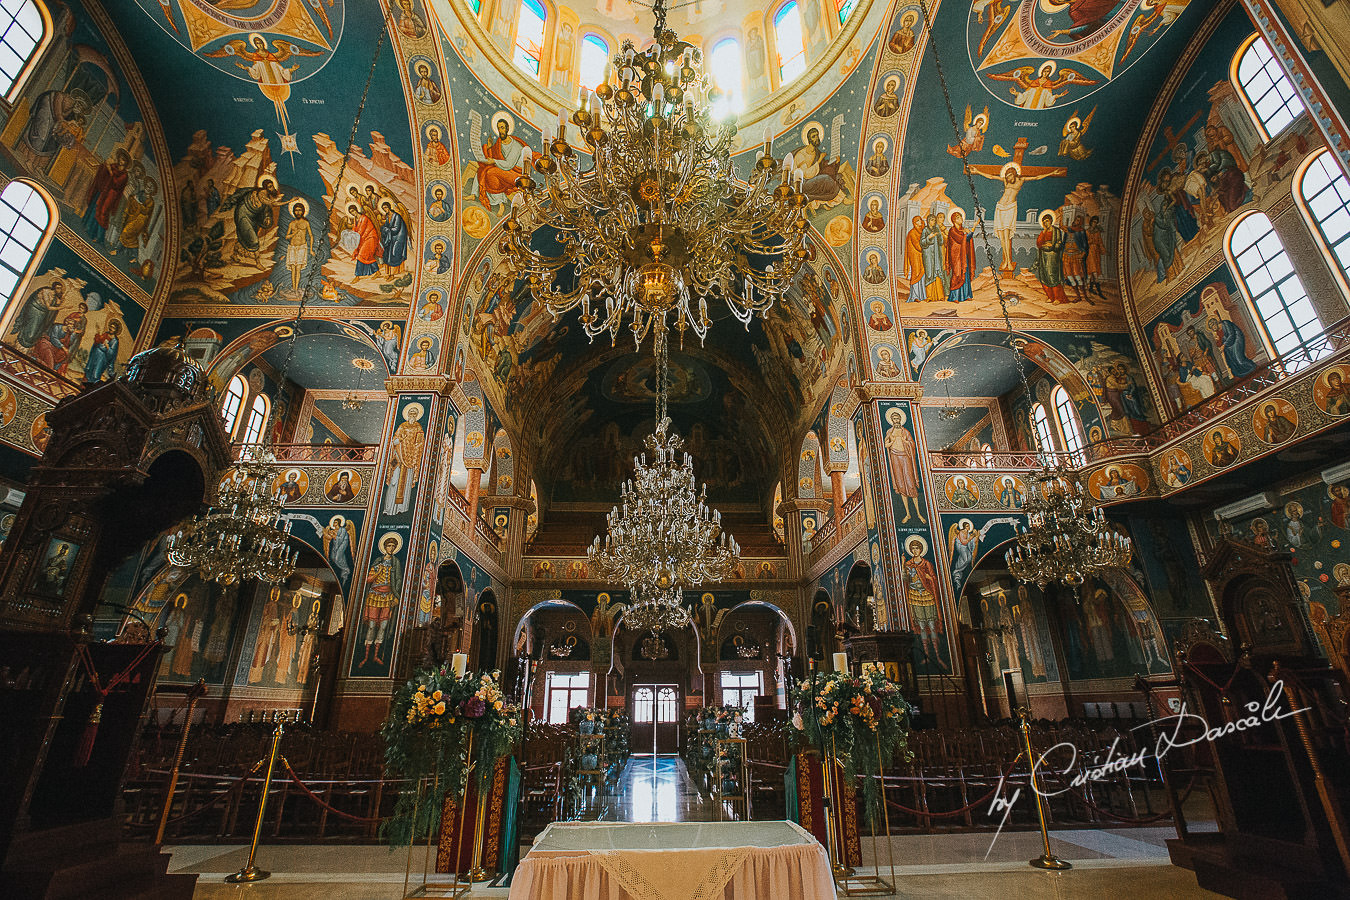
{"x":955,"y":812}
{"x":1135,"y":820}
{"x":364,"y":820}
{"x":237,"y":787}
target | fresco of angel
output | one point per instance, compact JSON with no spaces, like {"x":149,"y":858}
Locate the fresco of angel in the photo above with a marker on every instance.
{"x":266,"y":67}
{"x":972,"y":133}
{"x":1040,"y":88}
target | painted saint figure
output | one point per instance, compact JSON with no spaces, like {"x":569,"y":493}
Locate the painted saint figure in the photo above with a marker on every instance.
{"x":384,"y":586}
{"x":921,"y":594}
{"x":299,"y":244}
{"x":499,"y":165}
{"x":405,"y":457}
{"x":902,"y":457}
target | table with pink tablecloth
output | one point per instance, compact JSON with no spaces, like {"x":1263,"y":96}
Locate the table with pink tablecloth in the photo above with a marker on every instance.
{"x":675,"y":861}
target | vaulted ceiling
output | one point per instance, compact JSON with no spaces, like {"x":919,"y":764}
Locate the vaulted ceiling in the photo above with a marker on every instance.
{"x":429,"y":83}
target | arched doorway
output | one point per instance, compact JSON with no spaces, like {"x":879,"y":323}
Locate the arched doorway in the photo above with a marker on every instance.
{"x":483,"y":655}
{"x":858,"y":591}
{"x":756,"y":647}
{"x":820,"y":636}
{"x":657,"y":664}
{"x":553,"y":650}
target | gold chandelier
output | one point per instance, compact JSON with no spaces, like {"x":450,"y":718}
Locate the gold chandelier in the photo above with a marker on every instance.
{"x":237,"y":539}
{"x":659,"y":217}
{"x":1064,"y":539}
{"x":663,"y":537}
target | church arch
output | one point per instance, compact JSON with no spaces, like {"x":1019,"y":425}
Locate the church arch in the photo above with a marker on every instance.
{"x":484,"y":651}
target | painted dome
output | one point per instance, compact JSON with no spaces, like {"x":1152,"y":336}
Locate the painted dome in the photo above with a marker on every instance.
{"x":542,"y":55}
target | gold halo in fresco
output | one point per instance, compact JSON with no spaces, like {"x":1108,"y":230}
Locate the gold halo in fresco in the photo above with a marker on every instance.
{"x":477,"y":223}
{"x":839,"y":231}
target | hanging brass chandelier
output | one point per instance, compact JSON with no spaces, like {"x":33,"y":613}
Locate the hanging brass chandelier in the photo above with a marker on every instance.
{"x":658,"y":222}
{"x":663,"y":536}
{"x":237,"y":539}
{"x":1065,"y":539}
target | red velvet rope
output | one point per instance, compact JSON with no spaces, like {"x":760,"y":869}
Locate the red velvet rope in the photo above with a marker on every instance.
{"x":365,"y":820}
{"x":237,"y":787}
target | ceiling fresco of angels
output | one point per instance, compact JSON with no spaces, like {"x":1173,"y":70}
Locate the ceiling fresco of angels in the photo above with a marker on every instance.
{"x":1038,"y":54}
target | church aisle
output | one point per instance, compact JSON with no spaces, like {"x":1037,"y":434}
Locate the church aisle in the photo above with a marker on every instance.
{"x":654,"y":789}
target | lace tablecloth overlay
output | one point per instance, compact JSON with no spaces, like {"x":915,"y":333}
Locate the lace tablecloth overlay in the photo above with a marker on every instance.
{"x":676,"y":861}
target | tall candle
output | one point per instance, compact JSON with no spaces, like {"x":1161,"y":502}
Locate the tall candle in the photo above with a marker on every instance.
{"x":460,"y":662}
{"x":841,"y":662}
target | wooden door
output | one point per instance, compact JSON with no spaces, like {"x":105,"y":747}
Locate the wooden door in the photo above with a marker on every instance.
{"x":654,"y":710}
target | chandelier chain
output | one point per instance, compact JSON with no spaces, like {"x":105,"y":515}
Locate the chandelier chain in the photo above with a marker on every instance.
{"x":1065,"y":539}
{"x":238,"y":538}
{"x":975,"y":197}
{"x":332,"y":200}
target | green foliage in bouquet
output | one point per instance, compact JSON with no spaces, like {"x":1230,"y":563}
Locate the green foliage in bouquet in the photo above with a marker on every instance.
{"x":427,"y":734}
{"x":862,"y":719}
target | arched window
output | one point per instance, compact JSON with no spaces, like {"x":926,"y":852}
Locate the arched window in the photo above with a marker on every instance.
{"x":1325,"y":192}
{"x":844,"y":7}
{"x":234,"y":401}
{"x":1274,"y":287}
{"x":1045,"y":438}
{"x":257,"y":420}
{"x":853,"y":474}
{"x":791,"y":42}
{"x":1269,"y":92}
{"x":459,"y":470}
{"x":530,"y":36}
{"x":726,"y":67}
{"x":25,"y":219}
{"x":594,"y":58}
{"x":1069,"y":427}
{"x":26,"y":26}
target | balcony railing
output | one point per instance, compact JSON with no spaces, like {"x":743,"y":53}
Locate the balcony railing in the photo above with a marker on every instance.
{"x":35,"y":375}
{"x":1334,"y":339}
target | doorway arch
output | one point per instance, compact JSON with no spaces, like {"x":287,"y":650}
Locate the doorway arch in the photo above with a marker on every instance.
{"x":483,"y":653}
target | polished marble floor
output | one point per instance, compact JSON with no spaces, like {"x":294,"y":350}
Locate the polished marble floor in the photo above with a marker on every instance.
{"x":1106,"y":862}
{"x":652,"y":789}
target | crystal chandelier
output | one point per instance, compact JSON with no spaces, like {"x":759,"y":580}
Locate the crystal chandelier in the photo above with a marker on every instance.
{"x":237,"y":539}
{"x":1064,"y":539}
{"x":663,"y":536}
{"x":659,"y":218}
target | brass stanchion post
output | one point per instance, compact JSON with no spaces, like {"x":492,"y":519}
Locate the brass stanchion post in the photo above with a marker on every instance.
{"x":478,"y":873}
{"x":195,"y":693}
{"x":834,"y":823}
{"x":250,"y":872}
{"x":1046,"y":860}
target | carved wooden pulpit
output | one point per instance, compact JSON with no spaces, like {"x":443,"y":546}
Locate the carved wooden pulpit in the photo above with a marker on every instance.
{"x":1277,"y":759}
{"x":125,"y":461}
